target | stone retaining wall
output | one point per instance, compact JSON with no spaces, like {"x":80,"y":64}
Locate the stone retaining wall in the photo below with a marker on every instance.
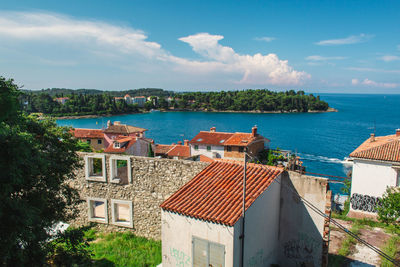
{"x":153,"y":181}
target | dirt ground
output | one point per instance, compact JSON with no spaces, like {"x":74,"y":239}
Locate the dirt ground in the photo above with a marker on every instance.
{"x":360,"y":255}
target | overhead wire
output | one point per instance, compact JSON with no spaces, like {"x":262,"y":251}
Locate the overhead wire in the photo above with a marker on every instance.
{"x":340,"y":226}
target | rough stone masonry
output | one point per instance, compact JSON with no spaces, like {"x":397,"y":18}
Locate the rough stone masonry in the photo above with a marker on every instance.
{"x":153,"y":181}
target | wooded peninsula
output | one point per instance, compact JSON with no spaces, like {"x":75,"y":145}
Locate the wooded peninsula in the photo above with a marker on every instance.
{"x":67,"y":102}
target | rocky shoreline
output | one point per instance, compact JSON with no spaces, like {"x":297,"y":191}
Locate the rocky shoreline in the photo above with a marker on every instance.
{"x":188,"y":110}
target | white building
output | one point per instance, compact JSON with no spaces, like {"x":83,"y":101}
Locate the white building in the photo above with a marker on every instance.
{"x":376,"y":166}
{"x":207,"y":213}
{"x":215,"y":144}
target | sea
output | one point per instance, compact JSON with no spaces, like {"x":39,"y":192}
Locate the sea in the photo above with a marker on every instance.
{"x":322,"y":140}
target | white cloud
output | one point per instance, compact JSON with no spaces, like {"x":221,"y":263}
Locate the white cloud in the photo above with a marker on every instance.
{"x":257,"y":69}
{"x":114,"y":43}
{"x":370,"y":83}
{"x":361,"y":69}
{"x":388,"y":58}
{"x":353,"y":39}
{"x":265,"y":39}
{"x":322,"y":58}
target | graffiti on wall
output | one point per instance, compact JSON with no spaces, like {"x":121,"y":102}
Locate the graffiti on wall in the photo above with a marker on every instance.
{"x":301,"y":249}
{"x":364,"y":202}
{"x":259,"y":259}
{"x":180,"y":258}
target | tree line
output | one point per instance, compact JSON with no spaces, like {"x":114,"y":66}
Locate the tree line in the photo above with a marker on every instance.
{"x":104,"y":102}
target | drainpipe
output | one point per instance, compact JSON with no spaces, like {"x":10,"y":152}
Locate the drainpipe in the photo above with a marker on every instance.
{"x":244,"y":208}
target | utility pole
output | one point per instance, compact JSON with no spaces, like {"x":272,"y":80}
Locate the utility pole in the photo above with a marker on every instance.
{"x":243,"y":207}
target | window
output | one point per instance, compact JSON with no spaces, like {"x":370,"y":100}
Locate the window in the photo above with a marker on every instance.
{"x":121,"y":211}
{"x":241,"y":149}
{"x":196,"y":147}
{"x":88,"y":141}
{"x":97,"y":210}
{"x":116,"y":144}
{"x":120,"y":169}
{"x":229,"y":148}
{"x":206,"y":253}
{"x":99,"y":141}
{"x":95,"y":168}
{"x":208,"y":148}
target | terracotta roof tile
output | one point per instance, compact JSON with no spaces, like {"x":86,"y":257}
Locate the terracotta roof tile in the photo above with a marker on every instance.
{"x":385,"y":148}
{"x":205,"y":158}
{"x":240,"y":139}
{"x":125,"y":143}
{"x":123,"y":129}
{"x":88,"y":133}
{"x":211,"y":138}
{"x":215,"y":194}
{"x":179,"y":151}
{"x":163,"y":149}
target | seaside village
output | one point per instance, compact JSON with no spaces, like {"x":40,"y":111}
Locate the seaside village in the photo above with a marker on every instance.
{"x":190,"y":195}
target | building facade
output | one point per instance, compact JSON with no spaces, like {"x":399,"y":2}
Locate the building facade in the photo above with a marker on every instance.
{"x":376,"y":166}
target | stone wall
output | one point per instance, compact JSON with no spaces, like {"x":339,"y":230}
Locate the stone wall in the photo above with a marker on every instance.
{"x":303,"y":233}
{"x":153,"y":181}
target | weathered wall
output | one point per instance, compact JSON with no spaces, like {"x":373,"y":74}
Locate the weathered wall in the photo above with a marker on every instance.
{"x":153,"y":181}
{"x":178,"y":232}
{"x":301,"y":234}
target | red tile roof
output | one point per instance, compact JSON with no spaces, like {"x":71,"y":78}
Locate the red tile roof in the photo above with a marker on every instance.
{"x":88,"y":133}
{"x":125,"y":143}
{"x":123,"y":129}
{"x":385,"y":148}
{"x":211,"y":138}
{"x":205,"y":158}
{"x":179,"y":151}
{"x":163,"y":149}
{"x":215,"y":194}
{"x":240,"y":139}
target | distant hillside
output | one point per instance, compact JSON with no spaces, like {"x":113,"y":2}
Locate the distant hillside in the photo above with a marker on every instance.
{"x":58,"y":92}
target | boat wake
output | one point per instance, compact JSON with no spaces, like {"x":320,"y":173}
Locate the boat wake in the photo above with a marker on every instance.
{"x":324,"y":159}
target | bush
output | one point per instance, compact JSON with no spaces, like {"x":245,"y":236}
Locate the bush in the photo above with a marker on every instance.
{"x":389,"y":209}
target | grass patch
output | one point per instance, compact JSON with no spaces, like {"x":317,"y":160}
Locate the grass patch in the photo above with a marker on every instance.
{"x":125,"y":249}
{"x":391,"y":249}
{"x":349,"y":242}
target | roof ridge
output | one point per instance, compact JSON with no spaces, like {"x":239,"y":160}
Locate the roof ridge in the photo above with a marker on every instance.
{"x":374,"y":147}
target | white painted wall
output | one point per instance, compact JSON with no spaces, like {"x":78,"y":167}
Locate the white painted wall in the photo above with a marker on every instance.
{"x":203,"y":150}
{"x":176,"y":235}
{"x":261,"y":230}
{"x":372,"y":177}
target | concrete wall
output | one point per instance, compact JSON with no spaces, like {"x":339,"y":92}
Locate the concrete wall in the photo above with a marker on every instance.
{"x":153,"y":181}
{"x":203,"y":150}
{"x":177,"y":234}
{"x":261,"y":230}
{"x":372,"y":177}
{"x":301,"y":234}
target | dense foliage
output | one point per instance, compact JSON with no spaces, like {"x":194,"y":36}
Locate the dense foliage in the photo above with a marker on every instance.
{"x":36,"y":159}
{"x":86,"y":102}
{"x":389,"y":210}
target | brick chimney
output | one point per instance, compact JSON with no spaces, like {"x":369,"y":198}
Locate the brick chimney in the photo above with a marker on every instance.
{"x":186,"y":142}
{"x":254,"y":131}
{"x":213,"y":129}
{"x":180,"y":143}
{"x":372,"y":138}
{"x":397,"y":132}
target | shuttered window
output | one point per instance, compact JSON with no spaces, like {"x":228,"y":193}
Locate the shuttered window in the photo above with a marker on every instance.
{"x":207,"y":254}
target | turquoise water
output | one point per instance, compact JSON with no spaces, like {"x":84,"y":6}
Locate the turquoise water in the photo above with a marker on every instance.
{"x":321,"y":139}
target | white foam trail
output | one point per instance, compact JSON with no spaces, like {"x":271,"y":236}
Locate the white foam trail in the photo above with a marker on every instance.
{"x":320,"y":158}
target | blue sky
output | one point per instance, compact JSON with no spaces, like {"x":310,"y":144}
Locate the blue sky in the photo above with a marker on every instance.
{"x":316,"y":46}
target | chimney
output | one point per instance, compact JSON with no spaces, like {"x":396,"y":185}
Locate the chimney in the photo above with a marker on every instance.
{"x":254,"y":131}
{"x":397,"y":132}
{"x":212,"y":129}
{"x":372,"y":138}
{"x":117,"y":123}
{"x":186,"y":142}
{"x":180,"y":143}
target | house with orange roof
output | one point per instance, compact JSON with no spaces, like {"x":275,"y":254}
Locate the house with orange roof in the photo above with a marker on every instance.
{"x":130,"y":145}
{"x":215,"y":144}
{"x":128,"y":99}
{"x":174,"y":151}
{"x":61,"y":100}
{"x":376,"y":166}
{"x":94,"y":137}
{"x":115,"y":129}
{"x":139,"y":100}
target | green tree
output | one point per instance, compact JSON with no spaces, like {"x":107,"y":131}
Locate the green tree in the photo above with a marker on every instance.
{"x":389,"y":208}
{"x":150,"y":152}
{"x":37,"y":157}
